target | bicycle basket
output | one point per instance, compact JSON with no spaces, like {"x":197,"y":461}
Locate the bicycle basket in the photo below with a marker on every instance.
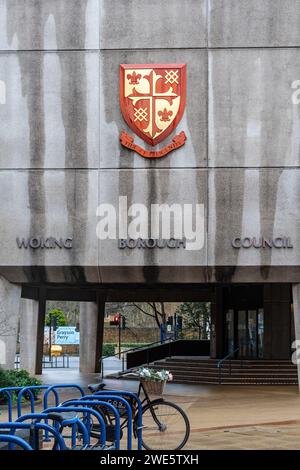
{"x":153,"y":386}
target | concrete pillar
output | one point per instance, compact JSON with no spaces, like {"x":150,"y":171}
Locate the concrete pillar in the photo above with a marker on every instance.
{"x":29,"y":313}
{"x":40,"y":331}
{"x":217,"y":333}
{"x":277,"y":321}
{"x":10,"y":295}
{"x":89,"y":322}
{"x":296,"y":304}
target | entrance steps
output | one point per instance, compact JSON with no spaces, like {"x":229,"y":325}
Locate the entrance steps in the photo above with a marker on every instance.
{"x":188,"y":370}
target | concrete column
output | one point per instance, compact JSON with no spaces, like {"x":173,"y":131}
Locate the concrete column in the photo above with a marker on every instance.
{"x":10,"y":295}
{"x":88,"y":336}
{"x":277,"y":321}
{"x":296,"y":304}
{"x":29,"y":313}
{"x":40,"y":331}
{"x":216,"y":342}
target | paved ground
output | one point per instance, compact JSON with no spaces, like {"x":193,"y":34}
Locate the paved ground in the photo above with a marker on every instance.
{"x":222,"y":417}
{"x":227,"y":417}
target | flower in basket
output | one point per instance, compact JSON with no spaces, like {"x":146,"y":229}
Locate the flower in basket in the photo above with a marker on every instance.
{"x":145,"y":373}
{"x":154,"y":375}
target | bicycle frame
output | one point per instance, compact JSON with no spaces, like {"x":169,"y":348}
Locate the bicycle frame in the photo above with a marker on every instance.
{"x":84,"y":410}
{"x":151,"y":403}
{"x":125,"y":423}
{"x":91,"y":403}
{"x":115,"y":396}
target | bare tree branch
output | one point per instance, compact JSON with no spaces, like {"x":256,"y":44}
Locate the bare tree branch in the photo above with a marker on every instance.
{"x":158,"y":315}
{"x":139,"y":308}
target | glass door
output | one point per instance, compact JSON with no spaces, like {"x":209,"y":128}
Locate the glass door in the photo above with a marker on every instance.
{"x":242,"y":333}
{"x":229,"y":331}
{"x":244,"y":329}
{"x":252,"y":334}
{"x":260,"y":333}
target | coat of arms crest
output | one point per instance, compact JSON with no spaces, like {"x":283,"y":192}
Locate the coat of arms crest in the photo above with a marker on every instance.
{"x":152,"y":99}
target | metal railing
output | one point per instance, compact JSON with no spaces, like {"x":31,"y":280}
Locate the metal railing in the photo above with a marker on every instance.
{"x":123,"y":354}
{"x":55,"y":362}
{"x":228,"y":358}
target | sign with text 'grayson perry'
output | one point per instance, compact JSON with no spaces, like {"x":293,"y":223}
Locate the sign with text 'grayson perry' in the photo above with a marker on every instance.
{"x":66,"y":335}
{"x":152,"y":100}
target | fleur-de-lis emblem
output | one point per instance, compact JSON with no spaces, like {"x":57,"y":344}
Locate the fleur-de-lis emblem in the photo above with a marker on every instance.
{"x":165,"y":115}
{"x":134,"y":78}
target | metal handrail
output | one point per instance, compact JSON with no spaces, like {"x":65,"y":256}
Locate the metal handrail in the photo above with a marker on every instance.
{"x":130,"y":350}
{"x":221,"y":361}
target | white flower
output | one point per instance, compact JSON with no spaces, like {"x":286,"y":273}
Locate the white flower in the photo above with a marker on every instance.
{"x":170,"y":376}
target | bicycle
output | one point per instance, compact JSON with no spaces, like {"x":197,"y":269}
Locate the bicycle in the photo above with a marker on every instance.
{"x":165,"y":425}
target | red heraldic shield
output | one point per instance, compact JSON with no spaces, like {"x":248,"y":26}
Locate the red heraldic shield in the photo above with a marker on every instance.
{"x":152,"y":99}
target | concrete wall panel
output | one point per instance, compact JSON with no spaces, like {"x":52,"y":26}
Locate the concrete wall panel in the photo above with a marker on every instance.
{"x":48,"y":203}
{"x":49,"y":24}
{"x":152,"y":24}
{"x":253,"y":203}
{"x":252,"y":118}
{"x":253,"y":23}
{"x":153,"y":187}
{"x":49,"y":115}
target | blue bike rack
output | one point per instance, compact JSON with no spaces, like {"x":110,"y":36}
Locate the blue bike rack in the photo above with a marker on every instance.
{"x":139,"y":404}
{"x":10,"y":439}
{"x":17,"y":425}
{"x":83,"y":410}
{"x":72,"y":422}
{"x":53,"y":388}
{"x":28,"y":390}
{"x":7,"y":391}
{"x":129,"y":411}
{"x":101,"y":398}
{"x":101,"y":403}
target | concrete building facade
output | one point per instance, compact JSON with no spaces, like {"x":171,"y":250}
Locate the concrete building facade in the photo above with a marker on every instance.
{"x":61,"y":158}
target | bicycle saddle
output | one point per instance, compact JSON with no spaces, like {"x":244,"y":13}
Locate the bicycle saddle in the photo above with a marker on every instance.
{"x":96,"y":387}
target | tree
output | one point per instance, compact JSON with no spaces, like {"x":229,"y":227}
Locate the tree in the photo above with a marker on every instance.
{"x":70,"y":309}
{"x":155,"y":310}
{"x":59,"y":315}
{"x":196,"y":315}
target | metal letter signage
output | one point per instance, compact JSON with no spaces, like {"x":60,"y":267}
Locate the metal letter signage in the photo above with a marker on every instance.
{"x":42,"y":242}
{"x":261,"y":242}
{"x":152,"y":100}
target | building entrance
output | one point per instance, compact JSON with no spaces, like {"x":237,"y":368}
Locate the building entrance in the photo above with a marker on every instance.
{"x":244,"y":333}
{"x":250,"y":320}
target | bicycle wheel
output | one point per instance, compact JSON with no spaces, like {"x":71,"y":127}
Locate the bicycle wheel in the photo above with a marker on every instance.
{"x":165,"y":426}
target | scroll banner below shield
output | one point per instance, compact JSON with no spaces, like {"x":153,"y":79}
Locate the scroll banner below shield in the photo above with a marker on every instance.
{"x":177,"y":141}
